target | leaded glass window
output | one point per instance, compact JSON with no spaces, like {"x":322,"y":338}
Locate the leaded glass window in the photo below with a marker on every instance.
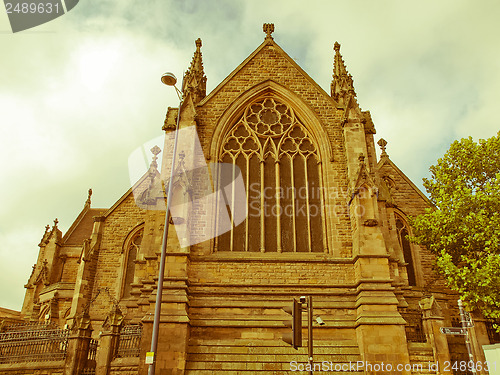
{"x":281,"y":168}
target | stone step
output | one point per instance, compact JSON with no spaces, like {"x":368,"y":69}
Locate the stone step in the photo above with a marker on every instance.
{"x":256,"y":367}
{"x":424,"y":366}
{"x":255,"y":342}
{"x":265,"y":371}
{"x":270,"y":357}
{"x":421,"y":358}
{"x":266,"y":349}
{"x":250,"y":356}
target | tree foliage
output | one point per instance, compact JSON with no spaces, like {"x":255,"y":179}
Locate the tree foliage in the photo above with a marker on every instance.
{"x":463,"y":229}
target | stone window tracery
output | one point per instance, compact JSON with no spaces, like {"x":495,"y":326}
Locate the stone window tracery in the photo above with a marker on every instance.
{"x":282,"y":172}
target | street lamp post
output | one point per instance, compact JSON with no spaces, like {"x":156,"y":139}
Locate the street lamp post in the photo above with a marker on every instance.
{"x":169,"y":80}
{"x":465,"y":327}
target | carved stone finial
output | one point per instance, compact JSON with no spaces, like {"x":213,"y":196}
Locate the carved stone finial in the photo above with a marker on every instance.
{"x":430,"y":307}
{"x":114,"y":318}
{"x":56,"y":222}
{"x":268,"y":29}
{"x":382,"y":143}
{"x":155,"y":151}
{"x":82,"y":322}
{"x":198,"y":44}
{"x":87,"y":203}
{"x":336,"y":47}
{"x":45,"y":235}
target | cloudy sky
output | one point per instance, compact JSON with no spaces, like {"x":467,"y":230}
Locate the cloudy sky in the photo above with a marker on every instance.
{"x":80,"y":93}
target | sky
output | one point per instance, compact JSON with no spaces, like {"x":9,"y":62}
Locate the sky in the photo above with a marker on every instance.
{"x":80,"y":93}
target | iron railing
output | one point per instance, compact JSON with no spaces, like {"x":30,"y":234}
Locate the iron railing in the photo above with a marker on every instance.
{"x":32,"y":342}
{"x":493,"y":334}
{"x":92,"y":350}
{"x":129,"y":341}
{"x":414,"y":326}
{"x":91,"y":354}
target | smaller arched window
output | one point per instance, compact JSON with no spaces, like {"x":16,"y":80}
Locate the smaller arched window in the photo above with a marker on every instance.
{"x":403,"y":232}
{"x":131,"y":250}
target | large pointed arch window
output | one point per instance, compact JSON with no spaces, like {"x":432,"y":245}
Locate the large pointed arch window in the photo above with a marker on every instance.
{"x":403,"y":232}
{"x":281,"y":168}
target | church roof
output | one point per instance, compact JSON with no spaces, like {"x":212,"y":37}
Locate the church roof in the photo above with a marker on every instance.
{"x":81,"y":228}
{"x":386,"y":161}
{"x":268,"y":43}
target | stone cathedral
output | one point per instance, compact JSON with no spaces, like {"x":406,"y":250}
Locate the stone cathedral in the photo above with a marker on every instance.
{"x":324,"y":218}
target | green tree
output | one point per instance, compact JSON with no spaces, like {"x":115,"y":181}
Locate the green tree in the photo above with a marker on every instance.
{"x":463,"y":229}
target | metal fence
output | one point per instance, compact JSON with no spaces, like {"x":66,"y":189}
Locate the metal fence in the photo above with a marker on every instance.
{"x":92,"y":350}
{"x":493,"y":334}
{"x":91,"y":354}
{"x":32,"y":342}
{"x":414,"y":326}
{"x":129,"y":341}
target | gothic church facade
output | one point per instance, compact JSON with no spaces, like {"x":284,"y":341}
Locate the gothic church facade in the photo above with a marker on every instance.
{"x":325,"y":218}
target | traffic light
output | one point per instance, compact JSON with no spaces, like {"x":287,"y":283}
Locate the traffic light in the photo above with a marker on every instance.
{"x":294,"y":338}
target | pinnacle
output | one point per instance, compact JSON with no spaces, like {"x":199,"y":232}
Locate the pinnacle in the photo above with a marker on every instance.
{"x":339,"y":67}
{"x":342,"y":84}
{"x":195,"y":79}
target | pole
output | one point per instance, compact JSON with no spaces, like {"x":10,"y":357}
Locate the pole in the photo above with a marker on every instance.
{"x":161,"y":272}
{"x":465,"y":327}
{"x":310,"y":333}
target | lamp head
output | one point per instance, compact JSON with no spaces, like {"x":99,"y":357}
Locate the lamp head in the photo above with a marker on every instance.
{"x":169,"y":79}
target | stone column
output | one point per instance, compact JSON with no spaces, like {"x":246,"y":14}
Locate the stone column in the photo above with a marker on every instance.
{"x":433,"y":320}
{"x":380,"y":329}
{"x":78,"y":345}
{"x":108,"y":343}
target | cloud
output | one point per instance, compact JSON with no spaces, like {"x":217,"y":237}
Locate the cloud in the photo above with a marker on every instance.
{"x":16,"y":272}
{"x":80,"y":93}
